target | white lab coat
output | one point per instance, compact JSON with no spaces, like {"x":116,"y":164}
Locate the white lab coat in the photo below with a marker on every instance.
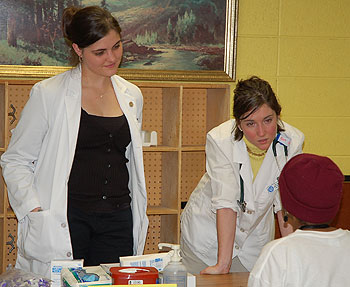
{"x":220,"y":188}
{"x":37,"y":164}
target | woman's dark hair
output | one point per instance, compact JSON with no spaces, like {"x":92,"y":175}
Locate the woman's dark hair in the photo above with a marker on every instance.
{"x":85,"y":26}
{"x":249,"y":95}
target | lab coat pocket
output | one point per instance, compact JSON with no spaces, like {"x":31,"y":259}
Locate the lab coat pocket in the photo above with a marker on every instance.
{"x":266,"y":198}
{"x":199,"y":226}
{"x":34,"y":240}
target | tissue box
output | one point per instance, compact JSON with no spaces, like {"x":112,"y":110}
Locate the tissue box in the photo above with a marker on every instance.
{"x":56,"y":268}
{"x":86,"y":276}
{"x":156,"y":260}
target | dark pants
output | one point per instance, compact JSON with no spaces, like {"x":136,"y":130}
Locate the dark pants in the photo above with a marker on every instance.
{"x":100,"y":237}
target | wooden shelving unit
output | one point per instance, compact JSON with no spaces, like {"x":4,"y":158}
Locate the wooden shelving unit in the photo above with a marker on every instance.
{"x":181,"y":114}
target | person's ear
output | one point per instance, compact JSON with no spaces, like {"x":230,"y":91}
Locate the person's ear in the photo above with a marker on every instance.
{"x":77,"y":50}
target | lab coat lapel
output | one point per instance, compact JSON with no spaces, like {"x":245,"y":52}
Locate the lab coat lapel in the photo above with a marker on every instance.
{"x":128,"y":106}
{"x":73,"y":110}
{"x":241,"y":157}
{"x":269,"y":172}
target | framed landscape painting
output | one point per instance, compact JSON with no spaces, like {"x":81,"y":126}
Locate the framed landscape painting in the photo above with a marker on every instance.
{"x":186,"y":40}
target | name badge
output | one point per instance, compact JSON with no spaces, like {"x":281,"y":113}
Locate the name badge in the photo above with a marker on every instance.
{"x":283,"y":139}
{"x":273,"y":187}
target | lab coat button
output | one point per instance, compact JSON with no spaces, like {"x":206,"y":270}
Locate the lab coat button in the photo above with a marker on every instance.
{"x":63,"y":225}
{"x":69,"y":254}
{"x":104,"y":197}
{"x":131,"y":104}
{"x":236,"y":246}
{"x":242,"y":230}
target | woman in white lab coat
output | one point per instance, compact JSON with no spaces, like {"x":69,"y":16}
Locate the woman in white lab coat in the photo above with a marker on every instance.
{"x":77,"y":150}
{"x":230,"y":214}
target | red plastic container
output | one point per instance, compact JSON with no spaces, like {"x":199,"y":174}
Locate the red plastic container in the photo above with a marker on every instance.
{"x":134,"y":275}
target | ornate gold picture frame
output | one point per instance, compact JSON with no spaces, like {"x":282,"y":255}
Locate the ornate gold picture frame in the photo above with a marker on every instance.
{"x":227,"y":74}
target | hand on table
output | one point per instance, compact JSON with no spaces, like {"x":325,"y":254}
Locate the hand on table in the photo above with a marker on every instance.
{"x":216,"y":269}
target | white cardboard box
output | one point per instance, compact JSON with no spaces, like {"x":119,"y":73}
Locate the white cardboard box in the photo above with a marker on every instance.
{"x":157,"y":260}
{"x":191,"y":280}
{"x":70,"y":277}
{"x":56,"y":268}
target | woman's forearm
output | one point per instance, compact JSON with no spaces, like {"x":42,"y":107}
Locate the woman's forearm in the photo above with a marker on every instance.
{"x":226,"y":230}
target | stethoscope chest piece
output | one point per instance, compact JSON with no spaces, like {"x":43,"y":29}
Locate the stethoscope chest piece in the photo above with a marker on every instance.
{"x":242,"y":205}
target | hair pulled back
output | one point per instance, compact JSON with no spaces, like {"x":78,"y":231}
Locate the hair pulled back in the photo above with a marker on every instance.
{"x":85,"y":26}
{"x":249,"y":95}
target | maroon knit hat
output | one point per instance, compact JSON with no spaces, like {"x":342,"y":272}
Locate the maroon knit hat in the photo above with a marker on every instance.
{"x":311,"y":188}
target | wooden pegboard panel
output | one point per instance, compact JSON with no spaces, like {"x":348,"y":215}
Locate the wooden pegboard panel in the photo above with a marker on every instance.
{"x":192,"y":169}
{"x":152,"y":119}
{"x":18,"y":96}
{"x":2,"y":191}
{"x":2,"y":115}
{"x":153,"y":234}
{"x":8,"y":206}
{"x":194,"y":113}
{"x":153,"y":175}
{"x":11,"y":239}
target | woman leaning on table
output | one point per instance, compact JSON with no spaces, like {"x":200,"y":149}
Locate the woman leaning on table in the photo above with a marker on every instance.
{"x":230,"y":214}
{"x":74,"y":166}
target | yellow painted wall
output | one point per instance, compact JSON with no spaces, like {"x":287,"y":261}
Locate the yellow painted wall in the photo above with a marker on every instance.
{"x":302,"y":47}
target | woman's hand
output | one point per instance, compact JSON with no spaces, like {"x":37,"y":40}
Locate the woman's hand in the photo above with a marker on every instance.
{"x":37,"y":209}
{"x":216,"y":269}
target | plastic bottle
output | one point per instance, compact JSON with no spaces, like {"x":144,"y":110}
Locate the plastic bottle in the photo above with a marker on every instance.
{"x":175,"y":272}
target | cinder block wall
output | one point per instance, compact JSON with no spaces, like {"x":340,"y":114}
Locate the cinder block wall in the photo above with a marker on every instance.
{"x":303,"y":49}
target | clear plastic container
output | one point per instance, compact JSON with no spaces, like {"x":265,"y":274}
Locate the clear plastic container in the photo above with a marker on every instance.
{"x":175,"y":272}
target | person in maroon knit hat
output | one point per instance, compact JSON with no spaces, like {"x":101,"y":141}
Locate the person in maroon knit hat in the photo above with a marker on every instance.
{"x":315,"y":254}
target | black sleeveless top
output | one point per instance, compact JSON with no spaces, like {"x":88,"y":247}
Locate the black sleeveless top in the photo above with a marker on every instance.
{"x":98,"y":180}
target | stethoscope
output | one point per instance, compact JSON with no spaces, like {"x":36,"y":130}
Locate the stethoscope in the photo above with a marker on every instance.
{"x":278,"y":139}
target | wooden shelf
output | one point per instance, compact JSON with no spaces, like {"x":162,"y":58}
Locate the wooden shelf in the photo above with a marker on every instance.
{"x":193,"y":148}
{"x":181,"y":114}
{"x":159,"y":148}
{"x":157,"y":210}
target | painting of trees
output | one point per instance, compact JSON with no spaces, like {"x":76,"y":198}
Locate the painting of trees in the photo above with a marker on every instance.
{"x":30,"y":31}
{"x":34,"y":21}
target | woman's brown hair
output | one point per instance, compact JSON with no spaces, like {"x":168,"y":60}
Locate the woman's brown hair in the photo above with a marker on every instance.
{"x":85,"y":26}
{"x":249,"y":95}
